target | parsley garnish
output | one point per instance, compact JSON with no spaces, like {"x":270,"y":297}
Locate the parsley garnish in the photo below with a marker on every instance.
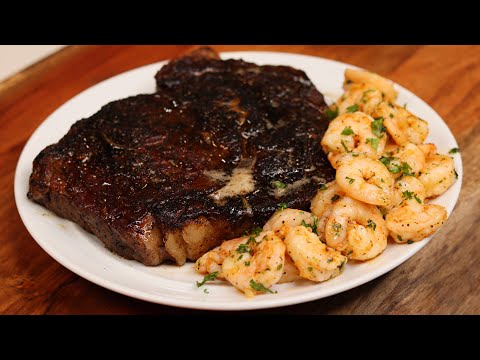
{"x":335,"y":198}
{"x":377,"y":127}
{"x":323,"y":187}
{"x":259,"y":287}
{"x":454,"y":151}
{"x":244,"y":248}
{"x":329,"y":260}
{"x":279,"y":184}
{"x":405,"y":168}
{"x":410,"y":242}
{"x":347,"y":131}
{"x":282,"y":206}
{"x":208,"y":277}
{"x":407,"y":195}
{"x":310,"y":268}
{"x":345,"y":146}
{"x":247,"y":263}
{"x":332,"y":114}
{"x":279,"y":267}
{"x":399,"y":238}
{"x":456,"y":175}
{"x":206,"y":291}
{"x":374,"y":142}
{"x":313,"y":227}
{"x":337,"y":227}
{"x":371,"y":224}
{"x":350,"y":180}
{"x":352,"y":108}
{"x":416,"y":198}
{"x":391,"y":115}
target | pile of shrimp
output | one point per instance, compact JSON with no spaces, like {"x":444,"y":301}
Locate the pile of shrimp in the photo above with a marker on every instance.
{"x":385,"y":177}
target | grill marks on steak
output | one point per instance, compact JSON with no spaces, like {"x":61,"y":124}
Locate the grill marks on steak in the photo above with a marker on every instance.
{"x":154,"y":176}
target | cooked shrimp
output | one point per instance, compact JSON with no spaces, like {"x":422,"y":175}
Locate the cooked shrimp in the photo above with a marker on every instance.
{"x":282,"y":221}
{"x":256,"y":270}
{"x":413,"y":221}
{"x":314,"y":260}
{"x":352,"y":132}
{"x":438,"y":175}
{"x":322,"y":204}
{"x":325,"y":198}
{"x":370,"y":79}
{"x":212,"y":261}
{"x":406,"y":188}
{"x":356,"y":229}
{"x":290,"y":271}
{"x":402,"y":125}
{"x":366,"y":180}
{"x":402,"y":160}
{"x":359,"y":97}
{"x":429,"y":150}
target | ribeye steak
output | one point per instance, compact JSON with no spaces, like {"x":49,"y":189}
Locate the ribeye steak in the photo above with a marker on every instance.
{"x":168,"y":176}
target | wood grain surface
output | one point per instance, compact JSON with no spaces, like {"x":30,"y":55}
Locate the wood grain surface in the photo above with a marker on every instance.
{"x":443,"y":278}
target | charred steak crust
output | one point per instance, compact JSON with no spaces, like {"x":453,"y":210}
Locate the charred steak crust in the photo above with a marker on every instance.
{"x":167,"y":176}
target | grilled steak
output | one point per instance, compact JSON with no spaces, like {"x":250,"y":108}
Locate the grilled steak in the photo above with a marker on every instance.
{"x":168,"y":176}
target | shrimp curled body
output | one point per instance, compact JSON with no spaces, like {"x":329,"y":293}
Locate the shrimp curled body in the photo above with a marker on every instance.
{"x":263,"y":265}
{"x":367,"y":180}
{"x":356,"y":229}
{"x":314,"y":260}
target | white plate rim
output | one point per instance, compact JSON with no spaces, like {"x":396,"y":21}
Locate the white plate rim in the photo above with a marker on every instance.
{"x":272,"y":302}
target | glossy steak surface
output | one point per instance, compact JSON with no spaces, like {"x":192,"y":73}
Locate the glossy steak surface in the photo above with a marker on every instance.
{"x":168,"y":176}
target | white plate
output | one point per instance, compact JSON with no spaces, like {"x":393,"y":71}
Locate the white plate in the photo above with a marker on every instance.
{"x":85,"y":255}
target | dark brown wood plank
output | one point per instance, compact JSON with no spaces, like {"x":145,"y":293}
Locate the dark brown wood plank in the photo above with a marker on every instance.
{"x":441,"y":279}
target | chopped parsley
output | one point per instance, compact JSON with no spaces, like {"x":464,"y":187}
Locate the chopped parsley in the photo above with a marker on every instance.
{"x":279,"y":184}
{"x":332,"y":114}
{"x":259,"y":287}
{"x":377,"y":127}
{"x":329,"y":260}
{"x":399,"y":238}
{"x":310,"y":268}
{"x":323,"y":187}
{"x":405,"y":105}
{"x":371,"y":224}
{"x":345,"y":146}
{"x":352,"y":108}
{"x":407,"y":195}
{"x":454,"y":151}
{"x":335,"y":198}
{"x":391,"y":115}
{"x":206,"y":291}
{"x":279,"y":267}
{"x":282,"y":206}
{"x":410,"y":242}
{"x":403,"y":168}
{"x":244,"y":248}
{"x":374,"y":142}
{"x":311,"y":226}
{"x":247,"y":263}
{"x":208,"y":277}
{"x":347,"y":131}
{"x":417,"y":199}
{"x":256,"y":231}
{"x":337,"y":227}
{"x":456,"y":175}
{"x":350,"y":180}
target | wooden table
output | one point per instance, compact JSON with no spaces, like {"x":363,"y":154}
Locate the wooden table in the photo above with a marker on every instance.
{"x":443,"y":278}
